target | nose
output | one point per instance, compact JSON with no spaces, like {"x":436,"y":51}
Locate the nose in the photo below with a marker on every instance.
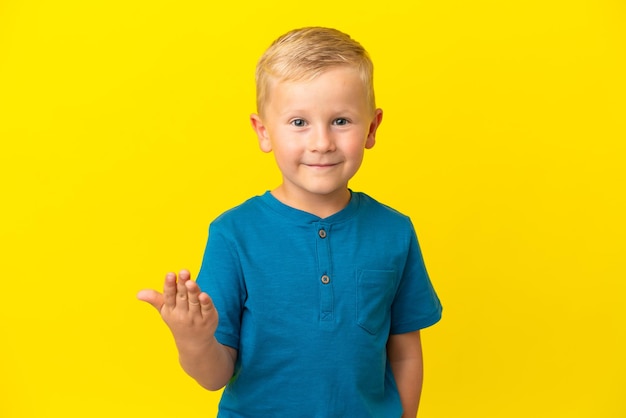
{"x":321,"y":140}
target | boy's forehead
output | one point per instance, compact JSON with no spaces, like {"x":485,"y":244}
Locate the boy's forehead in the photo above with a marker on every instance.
{"x":336,"y":93}
{"x":339,"y":83}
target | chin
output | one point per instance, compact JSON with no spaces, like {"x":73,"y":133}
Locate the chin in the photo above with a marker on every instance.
{"x":328,"y":191}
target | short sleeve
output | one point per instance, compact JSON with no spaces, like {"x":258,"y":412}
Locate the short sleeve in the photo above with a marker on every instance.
{"x":416,"y":304}
{"x":221,"y":278}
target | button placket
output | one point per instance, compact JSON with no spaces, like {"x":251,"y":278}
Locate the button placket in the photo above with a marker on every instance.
{"x":325,"y":273}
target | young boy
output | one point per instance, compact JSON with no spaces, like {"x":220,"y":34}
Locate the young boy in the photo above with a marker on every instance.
{"x":321,"y":291}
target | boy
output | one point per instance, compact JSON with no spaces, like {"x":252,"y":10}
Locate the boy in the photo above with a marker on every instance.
{"x":321,"y":291}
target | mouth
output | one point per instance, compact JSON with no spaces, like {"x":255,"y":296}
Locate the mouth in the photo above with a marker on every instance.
{"x":320,"y":168}
{"x":320,"y":165}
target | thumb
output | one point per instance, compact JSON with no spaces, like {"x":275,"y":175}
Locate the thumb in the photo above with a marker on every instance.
{"x":152,"y":297}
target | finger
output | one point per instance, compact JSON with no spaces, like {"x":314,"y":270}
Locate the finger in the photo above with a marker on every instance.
{"x":193,"y":291}
{"x":181,"y":290}
{"x":152,"y":297}
{"x":184,"y":275}
{"x":206,"y":305}
{"x":169,"y":290}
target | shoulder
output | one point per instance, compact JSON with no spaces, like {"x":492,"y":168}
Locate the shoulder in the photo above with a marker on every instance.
{"x":239,"y":216}
{"x":243,"y":209}
{"x":379,"y":213}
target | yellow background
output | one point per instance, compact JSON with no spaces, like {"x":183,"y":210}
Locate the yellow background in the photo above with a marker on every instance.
{"x":124,"y":132}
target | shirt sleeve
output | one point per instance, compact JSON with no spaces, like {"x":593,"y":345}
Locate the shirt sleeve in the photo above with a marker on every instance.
{"x":416,"y":304}
{"x":221,"y":278}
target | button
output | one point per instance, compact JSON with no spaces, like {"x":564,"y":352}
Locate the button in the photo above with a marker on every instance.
{"x":322,"y":233}
{"x":325,"y":279}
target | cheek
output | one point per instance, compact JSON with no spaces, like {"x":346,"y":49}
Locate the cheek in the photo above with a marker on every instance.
{"x":288,"y":146}
{"x":355,"y":146}
{"x":287,"y":150}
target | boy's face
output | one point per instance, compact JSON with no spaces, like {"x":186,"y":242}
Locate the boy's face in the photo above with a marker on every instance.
{"x":318,"y":131}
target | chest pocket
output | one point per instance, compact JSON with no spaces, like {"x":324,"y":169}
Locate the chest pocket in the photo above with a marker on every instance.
{"x":374,"y":295}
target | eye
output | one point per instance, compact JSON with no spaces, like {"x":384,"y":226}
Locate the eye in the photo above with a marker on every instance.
{"x":299,"y":123}
{"x":340,"y":121}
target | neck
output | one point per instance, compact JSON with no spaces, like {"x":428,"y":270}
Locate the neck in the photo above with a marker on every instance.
{"x":322,"y":206}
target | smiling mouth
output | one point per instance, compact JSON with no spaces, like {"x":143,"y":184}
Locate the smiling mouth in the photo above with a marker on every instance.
{"x":320,"y":168}
{"x":324,"y":165}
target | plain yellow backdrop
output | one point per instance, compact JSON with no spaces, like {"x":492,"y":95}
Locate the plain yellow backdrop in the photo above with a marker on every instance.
{"x":124,"y":131}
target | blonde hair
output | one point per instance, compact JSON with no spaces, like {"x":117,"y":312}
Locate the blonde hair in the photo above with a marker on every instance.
{"x":303,"y":54}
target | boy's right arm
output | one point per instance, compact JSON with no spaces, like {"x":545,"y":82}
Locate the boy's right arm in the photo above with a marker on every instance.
{"x":192,"y":319}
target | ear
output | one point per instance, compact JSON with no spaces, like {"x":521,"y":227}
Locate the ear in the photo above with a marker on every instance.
{"x":261,"y":132}
{"x":371,"y":135}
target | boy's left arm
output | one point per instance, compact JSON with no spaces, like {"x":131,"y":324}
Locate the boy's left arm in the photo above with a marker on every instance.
{"x":405,"y":356}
